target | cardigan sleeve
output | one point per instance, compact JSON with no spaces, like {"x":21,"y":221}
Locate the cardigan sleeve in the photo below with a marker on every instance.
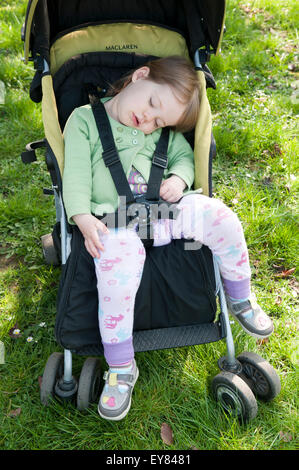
{"x":181,"y":159}
{"x":77,"y":175}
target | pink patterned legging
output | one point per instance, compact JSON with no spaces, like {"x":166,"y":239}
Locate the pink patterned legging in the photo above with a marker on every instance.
{"x":119,"y":269}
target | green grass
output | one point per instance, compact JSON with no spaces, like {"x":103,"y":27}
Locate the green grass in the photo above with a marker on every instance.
{"x":254,"y":112}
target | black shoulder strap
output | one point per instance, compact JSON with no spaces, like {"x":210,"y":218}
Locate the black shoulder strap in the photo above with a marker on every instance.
{"x":110,"y":153}
{"x":159,"y":164}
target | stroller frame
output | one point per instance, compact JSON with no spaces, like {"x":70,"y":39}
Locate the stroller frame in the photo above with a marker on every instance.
{"x":233,"y":387}
{"x":240,"y":378}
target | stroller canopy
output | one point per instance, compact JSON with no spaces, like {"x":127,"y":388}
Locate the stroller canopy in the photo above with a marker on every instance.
{"x":200,"y":22}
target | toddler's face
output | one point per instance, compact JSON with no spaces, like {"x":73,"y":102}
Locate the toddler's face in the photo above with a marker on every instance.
{"x":146,"y":105}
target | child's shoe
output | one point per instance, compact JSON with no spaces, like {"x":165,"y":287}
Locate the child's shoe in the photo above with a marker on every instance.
{"x":115,"y":400}
{"x":250,"y":316}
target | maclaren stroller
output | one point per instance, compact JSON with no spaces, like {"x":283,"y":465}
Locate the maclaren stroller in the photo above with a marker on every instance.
{"x":77,"y":49}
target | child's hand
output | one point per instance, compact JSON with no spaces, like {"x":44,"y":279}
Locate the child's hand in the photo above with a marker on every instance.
{"x":171,"y":190}
{"x":89,"y":227}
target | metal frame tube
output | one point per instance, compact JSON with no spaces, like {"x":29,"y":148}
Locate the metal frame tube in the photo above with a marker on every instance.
{"x":65,"y":236}
{"x":196,"y":60}
{"x":65,"y":251}
{"x":231,"y":359}
{"x":68,"y":363}
{"x":46,"y":66}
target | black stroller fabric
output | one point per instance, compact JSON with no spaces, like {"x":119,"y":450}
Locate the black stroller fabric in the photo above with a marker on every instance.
{"x":177,"y":288}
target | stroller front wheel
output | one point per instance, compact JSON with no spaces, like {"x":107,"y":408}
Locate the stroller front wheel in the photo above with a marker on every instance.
{"x":234,"y":395}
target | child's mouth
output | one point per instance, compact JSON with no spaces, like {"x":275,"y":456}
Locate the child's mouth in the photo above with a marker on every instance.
{"x":135,"y":120}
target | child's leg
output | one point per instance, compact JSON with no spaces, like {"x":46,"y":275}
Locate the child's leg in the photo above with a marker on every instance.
{"x":118,"y":271}
{"x":212,"y":223}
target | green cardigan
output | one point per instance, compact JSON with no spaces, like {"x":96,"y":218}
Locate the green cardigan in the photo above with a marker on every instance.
{"x":87,"y":184}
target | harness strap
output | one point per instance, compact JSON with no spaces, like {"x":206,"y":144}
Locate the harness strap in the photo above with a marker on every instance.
{"x":110,"y":153}
{"x":159,"y":164}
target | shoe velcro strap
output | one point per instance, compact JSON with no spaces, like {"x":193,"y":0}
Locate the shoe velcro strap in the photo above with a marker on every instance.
{"x":241,"y":307}
{"x":127,"y":378}
{"x":113,"y":378}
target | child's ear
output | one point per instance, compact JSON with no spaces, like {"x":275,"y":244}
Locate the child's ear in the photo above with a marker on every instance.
{"x":143,"y":72}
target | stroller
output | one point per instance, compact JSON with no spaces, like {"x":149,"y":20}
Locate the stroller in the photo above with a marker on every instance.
{"x":78,"y":48}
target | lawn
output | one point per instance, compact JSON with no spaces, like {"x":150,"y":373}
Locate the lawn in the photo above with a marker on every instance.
{"x":254,"y":111}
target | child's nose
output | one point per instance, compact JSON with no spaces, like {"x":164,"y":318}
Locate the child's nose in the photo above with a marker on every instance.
{"x":149,"y":115}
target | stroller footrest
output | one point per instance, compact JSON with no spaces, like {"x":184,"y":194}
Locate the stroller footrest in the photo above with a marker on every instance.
{"x":164,"y":338}
{"x":175,"y":337}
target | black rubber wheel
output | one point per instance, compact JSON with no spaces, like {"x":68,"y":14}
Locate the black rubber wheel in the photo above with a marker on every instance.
{"x":52,"y":372}
{"x":234,"y":395}
{"x":49,"y":251}
{"x":259,"y":375}
{"x":89,"y":383}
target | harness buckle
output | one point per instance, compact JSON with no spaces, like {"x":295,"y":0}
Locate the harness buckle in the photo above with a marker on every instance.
{"x":110,"y":156}
{"x":141,"y":213}
{"x":160,"y":160}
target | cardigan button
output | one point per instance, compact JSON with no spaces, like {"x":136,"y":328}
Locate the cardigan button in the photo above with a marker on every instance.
{"x":135,"y":141}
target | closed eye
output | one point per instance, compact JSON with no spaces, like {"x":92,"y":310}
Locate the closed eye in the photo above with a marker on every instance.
{"x":156,"y":121}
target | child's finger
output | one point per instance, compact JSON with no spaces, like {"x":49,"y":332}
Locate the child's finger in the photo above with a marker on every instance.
{"x":164,"y":191}
{"x":102,"y":227}
{"x":97,"y":242}
{"x":171,"y":196}
{"x":94,"y":253}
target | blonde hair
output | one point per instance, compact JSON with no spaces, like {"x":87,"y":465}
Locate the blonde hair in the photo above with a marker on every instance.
{"x":180,"y":75}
